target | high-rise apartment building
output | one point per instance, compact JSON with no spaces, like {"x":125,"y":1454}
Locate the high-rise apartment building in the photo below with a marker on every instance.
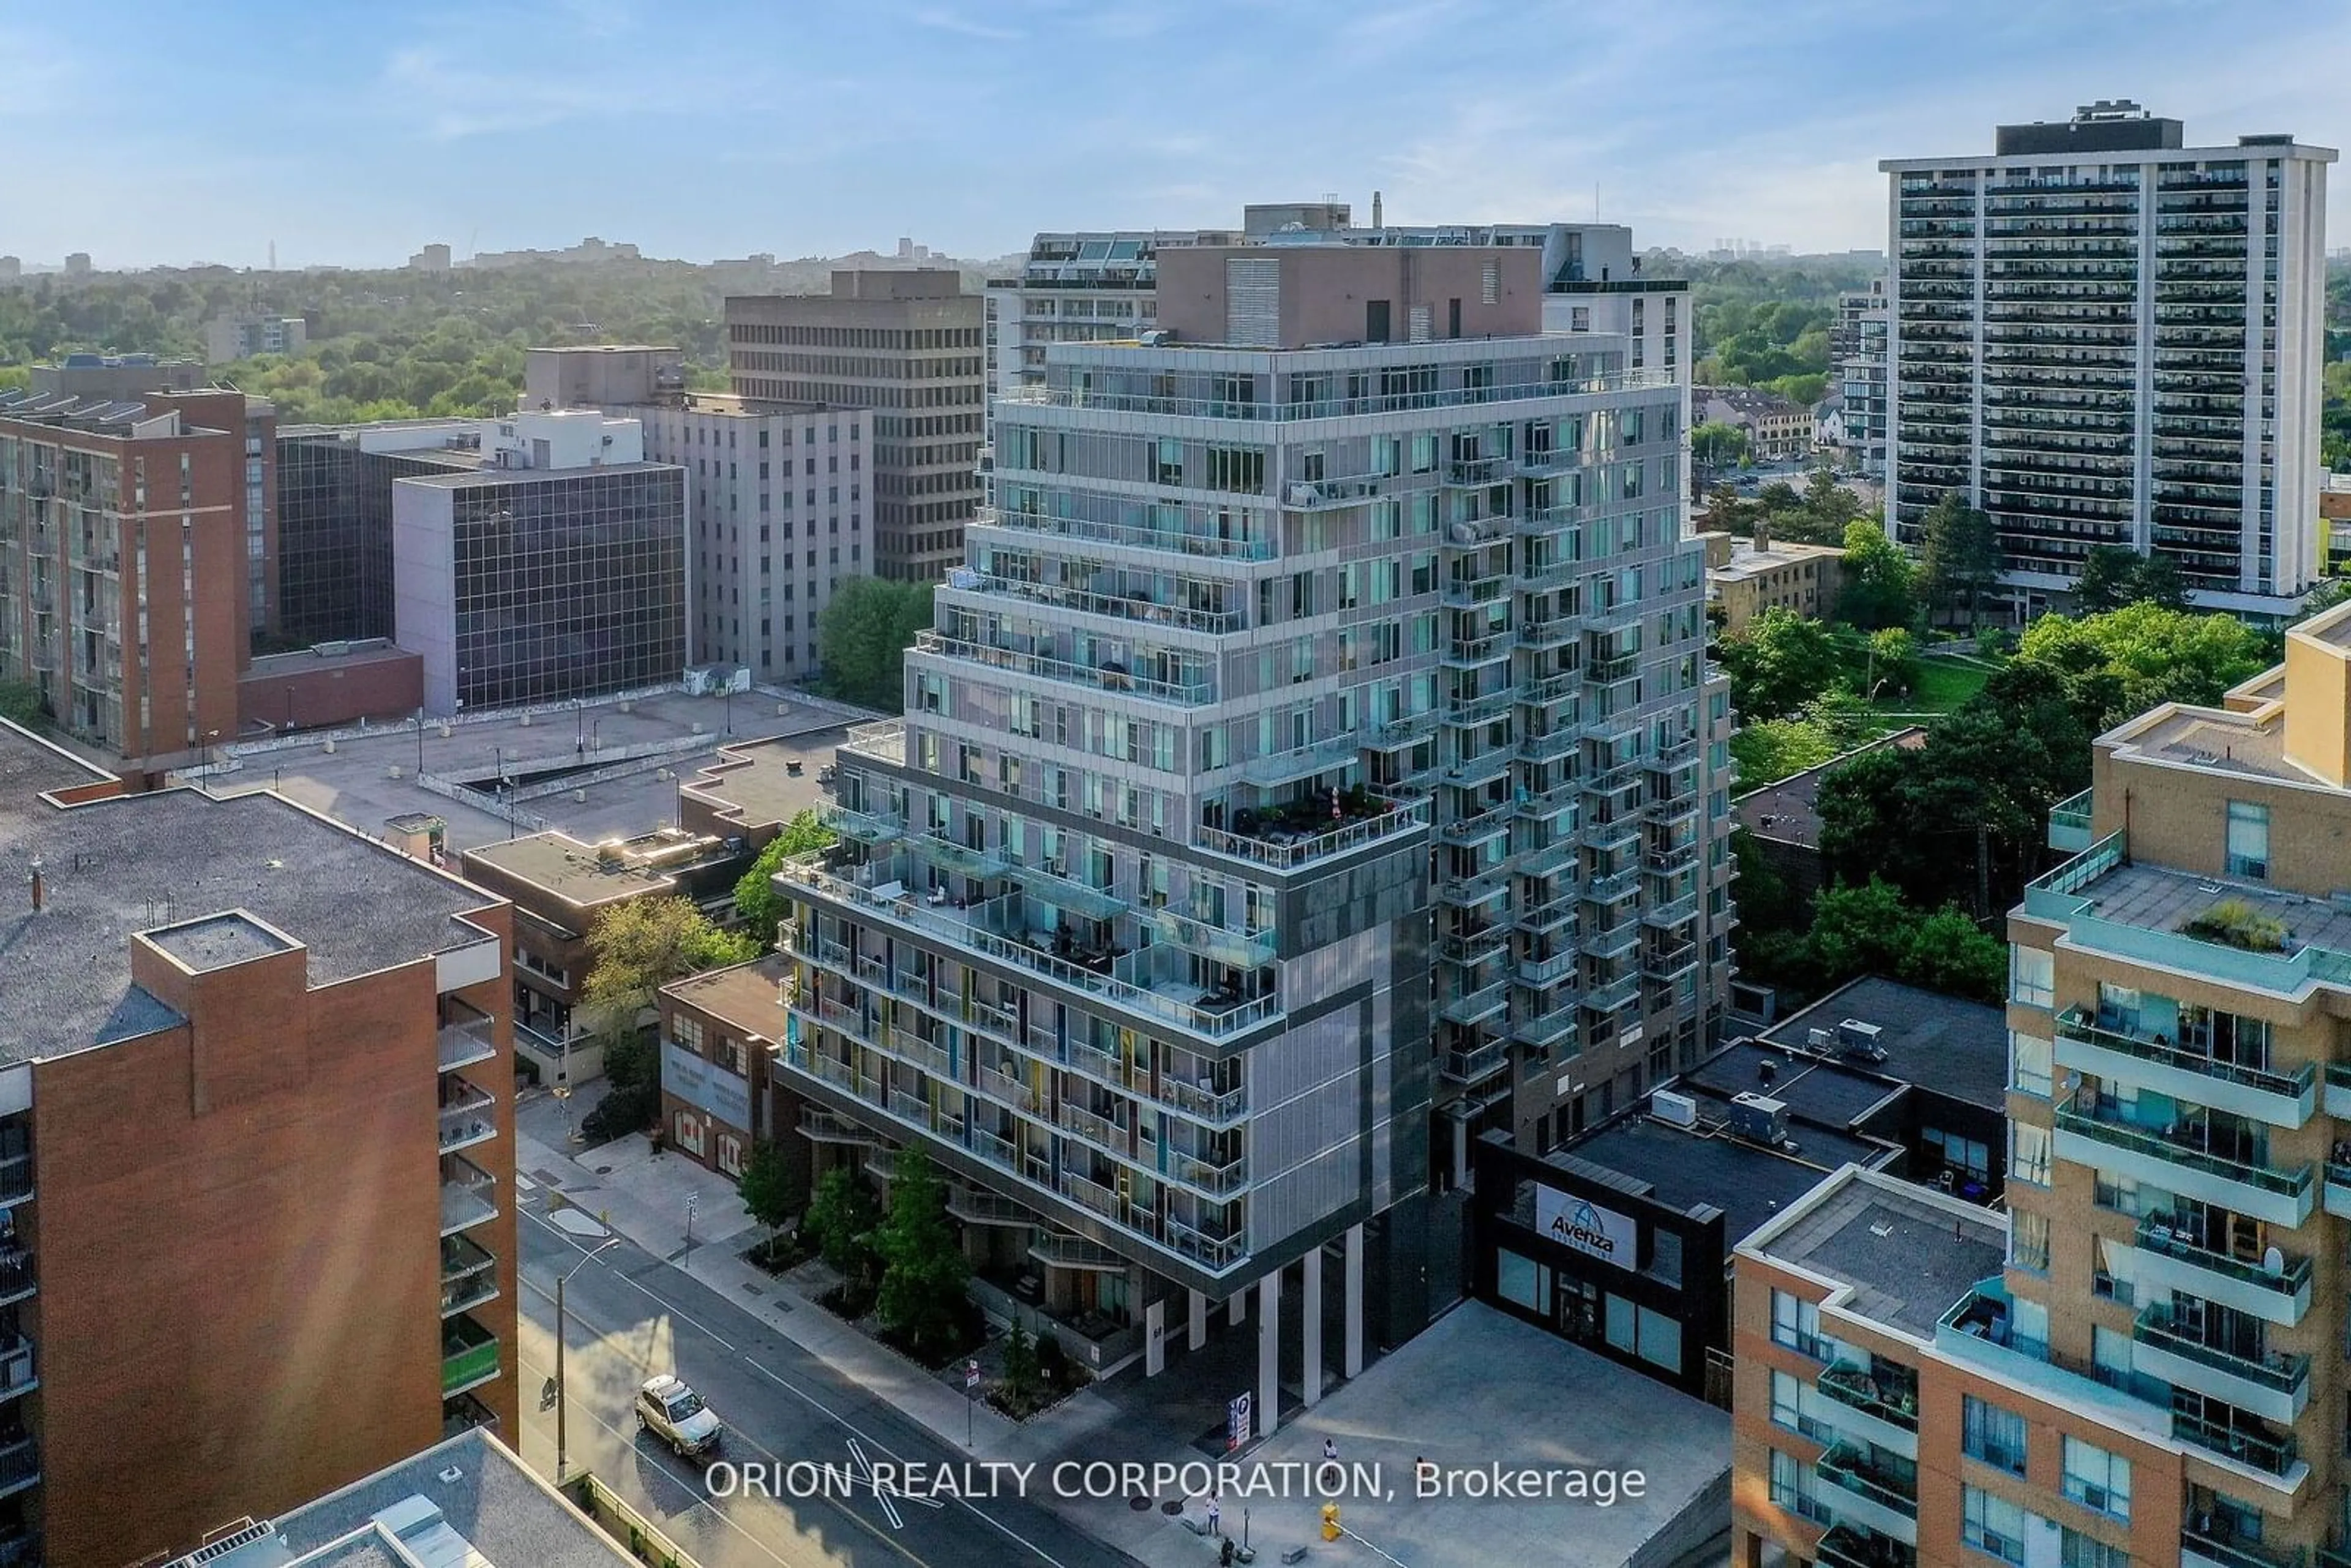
{"x":907,"y":346}
{"x":1858,"y":353}
{"x":546,"y":562}
{"x":2142,"y":1362}
{"x":776,"y":528}
{"x":2102,"y":336}
{"x":255,"y":1161}
{"x":1265,"y":650}
{"x":134,"y":563}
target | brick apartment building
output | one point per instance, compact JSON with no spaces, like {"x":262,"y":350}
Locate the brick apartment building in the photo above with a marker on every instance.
{"x":137,"y":550}
{"x":560,"y":887}
{"x":255,"y":1132}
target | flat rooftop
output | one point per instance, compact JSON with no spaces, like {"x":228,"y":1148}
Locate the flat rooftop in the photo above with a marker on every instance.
{"x":753,"y":785}
{"x":464,"y":1503}
{"x":472,"y":473}
{"x":2160,"y":898}
{"x":1788,"y":813}
{"x":1686,"y":1167}
{"x":583,"y":873}
{"x":172,"y":859}
{"x":1907,"y":1253}
{"x":747,"y":994}
{"x":219,"y":941}
{"x":2215,"y":739}
{"x":1749,"y":561}
{"x":1949,"y":1045}
{"x":326,"y":655}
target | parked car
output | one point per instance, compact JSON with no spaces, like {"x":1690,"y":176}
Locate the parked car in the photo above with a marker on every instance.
{"x":675,"y":1414}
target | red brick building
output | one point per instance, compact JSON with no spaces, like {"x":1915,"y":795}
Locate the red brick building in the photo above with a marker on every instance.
{"x":255,"y":1161}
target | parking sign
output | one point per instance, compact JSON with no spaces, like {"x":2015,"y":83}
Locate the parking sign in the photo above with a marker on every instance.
{"x":1237,"y":1423}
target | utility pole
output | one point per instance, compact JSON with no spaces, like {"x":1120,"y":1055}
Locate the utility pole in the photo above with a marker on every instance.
{"x":560,"y":1281}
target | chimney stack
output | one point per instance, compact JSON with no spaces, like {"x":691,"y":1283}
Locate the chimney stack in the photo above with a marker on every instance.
{"x":1376,"y":209}
{"x":1762,"y":535}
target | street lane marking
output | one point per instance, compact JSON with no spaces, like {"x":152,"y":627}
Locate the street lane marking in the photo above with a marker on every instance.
{"x":810,"y":1400}
{"x":619,"y":1346}
{"x":675,"y":1310}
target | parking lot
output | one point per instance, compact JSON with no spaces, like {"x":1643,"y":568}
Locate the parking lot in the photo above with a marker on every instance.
{"x":601,"y":768}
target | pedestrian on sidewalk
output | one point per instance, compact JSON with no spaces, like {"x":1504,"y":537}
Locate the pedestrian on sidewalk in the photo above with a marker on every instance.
{"x":1330,"y":1450}
{"x":1215,"y":1515}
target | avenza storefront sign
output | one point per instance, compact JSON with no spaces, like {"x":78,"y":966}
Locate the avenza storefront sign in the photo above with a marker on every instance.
{"x":1585,"y":1226}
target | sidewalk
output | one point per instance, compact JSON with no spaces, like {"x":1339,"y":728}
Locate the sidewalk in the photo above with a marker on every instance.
{"x":642,"y":1196}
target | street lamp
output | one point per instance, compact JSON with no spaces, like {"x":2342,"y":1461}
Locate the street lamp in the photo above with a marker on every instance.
{"x":578,"y":727}
{"x":730,"y":705}
{"x":419,"y":743}
{"x":596,"y":736}
{"x":560,"y":1281}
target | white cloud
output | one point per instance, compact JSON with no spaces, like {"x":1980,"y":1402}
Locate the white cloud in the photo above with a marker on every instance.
{"x":942,"y":20}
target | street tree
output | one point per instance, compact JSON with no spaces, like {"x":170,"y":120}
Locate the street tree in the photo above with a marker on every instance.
{"x":841,"y":1217}
{"x":924,"y":1270}
{"x":1881,"y":585}
{"x":1779,"y":663}
{"x":1718,"y":444}
{"x":2106,"y":581}
{"x":773,"y":1193}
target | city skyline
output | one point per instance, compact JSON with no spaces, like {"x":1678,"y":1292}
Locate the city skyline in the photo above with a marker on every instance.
{"x":824,"y":133}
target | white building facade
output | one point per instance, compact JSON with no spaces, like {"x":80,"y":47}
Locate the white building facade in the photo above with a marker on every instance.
{"x":2102,"y":336}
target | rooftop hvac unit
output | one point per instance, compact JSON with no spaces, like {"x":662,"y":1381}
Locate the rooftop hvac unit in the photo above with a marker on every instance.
{"x":1674,"y":1109}
{"x":1858,"y":1041}
{"x":1820,"y":1039}
{"x":1758,"y":1118}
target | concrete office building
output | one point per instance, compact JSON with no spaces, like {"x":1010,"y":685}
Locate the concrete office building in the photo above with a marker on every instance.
{"x":2102,"y":336}
{"x":134,"y":559}
{"x":253,"y":1151}
{"x":1857,"y":355}
{"x":78,"y":265}
{"x":2145,"y":1353}
{"x":775,"y":530}
{"x":431,"y":258}
{"x":117,"y":378}
{"x":1130,"y":930}
{"x":547,"y":563}
{"x":230,"y":338}
{"x":905,"y":345}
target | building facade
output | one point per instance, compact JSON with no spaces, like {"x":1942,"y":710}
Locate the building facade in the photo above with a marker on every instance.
{"x":230,"y":338}
{"x":2148,"y":1354}
{"x":1745,"y":577}
{"x":905,"y":345}
{"x":134,"y":549}
{"x":552,"y":568}
{"x":334,"y":519}
{"x":1857,"y":356}
{"x":1778,"y":429}
{"x":775,"y":530}
{"x":2100,"y":336}
{"x":192,"y":1010}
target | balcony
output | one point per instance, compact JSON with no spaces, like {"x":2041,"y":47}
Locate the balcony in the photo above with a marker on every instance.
{"x":469,"y":1275}
{"x":1854,"y":1386}
{"x":2282,"y":1099}
{"x":469,"y":1356}
{"x":822,"y":1127}
{"x":1474,"y":1065}
{"x":468,"y":1117}
{"x":1482,"y":1003}
{"x":1099,"y":676}
{"x":2216,"y":1546}
{"x":1092,"y":1126}
{"x":2337,"y":1090}
{"x":1547,"y":1032}
{"x":2273,"y":1453}
{"x":468,"y":1197}
{"x":1846,"y":1546}
{"x":2274,"y":1386}
{"x":1287,"y":842}
{"x":978,"y":1205}
{"x":465,"y":1042}
{"x":1235,"y":949}
{"x":1067,"y":1249}
{"x":866,"y":827}
{"x":1088,"y":1194}
{"x":20,"y":1467}
{"x":2178,"y":1160}
{"x":1208,"y":1176}
{"x":2171,"y":1259}
{"x":1869,"y":1494}
{"x":1540,"y":972}
{"x":1202,"y":1101}
{"x":1214,"y":1252}
{"x":16,"y":1281}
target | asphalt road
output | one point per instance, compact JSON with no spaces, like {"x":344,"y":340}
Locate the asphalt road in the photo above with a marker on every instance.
{"x":630,"y":1315}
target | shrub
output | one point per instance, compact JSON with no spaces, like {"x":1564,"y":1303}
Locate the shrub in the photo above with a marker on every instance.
{"x":624,"y":1110}
{"x":2233,"y":923}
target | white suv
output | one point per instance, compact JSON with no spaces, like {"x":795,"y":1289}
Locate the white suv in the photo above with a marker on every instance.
{"x":675,"y":1414}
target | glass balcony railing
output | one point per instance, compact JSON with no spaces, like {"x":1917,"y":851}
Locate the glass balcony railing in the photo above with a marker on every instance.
{"x":2280,"y":1372}
{"x":2180,"y":1147}
{"x":2082,"y":1025}
{"x":2158,"y":1233}
{"x":469,"y":1355}
{"x":1846,"y":1547}
{"x":1854,"y":1385}
{"x":1849,"y":1468}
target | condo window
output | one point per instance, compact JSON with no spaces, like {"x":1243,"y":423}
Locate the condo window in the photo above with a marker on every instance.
{"x":2096,"y":1478}
{"x":2032,"y":977}
{"x":1993,"y":1525}
{"x":2249,"y":840}
{"x":2030,"y":1063}
{"x":1992,"y":1435}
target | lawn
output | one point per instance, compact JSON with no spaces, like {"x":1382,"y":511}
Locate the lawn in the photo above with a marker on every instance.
{"x":1942,"y":685}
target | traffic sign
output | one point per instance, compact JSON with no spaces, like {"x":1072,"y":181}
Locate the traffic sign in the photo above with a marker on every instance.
{"x":1237,"y":1423}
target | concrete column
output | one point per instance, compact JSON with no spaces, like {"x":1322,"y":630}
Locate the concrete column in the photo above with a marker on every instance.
{"x":1269,"y":1353}
{"x":1154,"y":1338}
{"x":1199,"y":1323}
{"x":1237,"y":1307}
{"x":1311,"y":1303}
{"x":1353,"y":1361}
{"x":1460,"y":1155}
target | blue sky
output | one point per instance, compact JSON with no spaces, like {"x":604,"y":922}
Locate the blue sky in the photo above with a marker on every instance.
{"x":353,"y":132}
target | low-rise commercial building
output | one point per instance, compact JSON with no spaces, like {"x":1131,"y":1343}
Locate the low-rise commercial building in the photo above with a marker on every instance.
{"x":256,"y":1160}
{"x":749,"y":791}
{"x":1778,"y":429}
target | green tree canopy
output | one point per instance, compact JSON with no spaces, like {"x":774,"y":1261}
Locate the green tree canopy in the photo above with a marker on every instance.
{"x":773,"y":1192}
{"x":2113,"y":576}
{"x":756,"y":902}
{"x":637,"y":947}
{"x":1719,"y":444}
{"x":1958,"y":558}
{"x":2119,"y":665}
{"x":842,"y":1216}
{"x":1881,"y":585}
{"x":923,"y":1271}
{"x":863,"y":635}
{"x":1779,"y":663}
